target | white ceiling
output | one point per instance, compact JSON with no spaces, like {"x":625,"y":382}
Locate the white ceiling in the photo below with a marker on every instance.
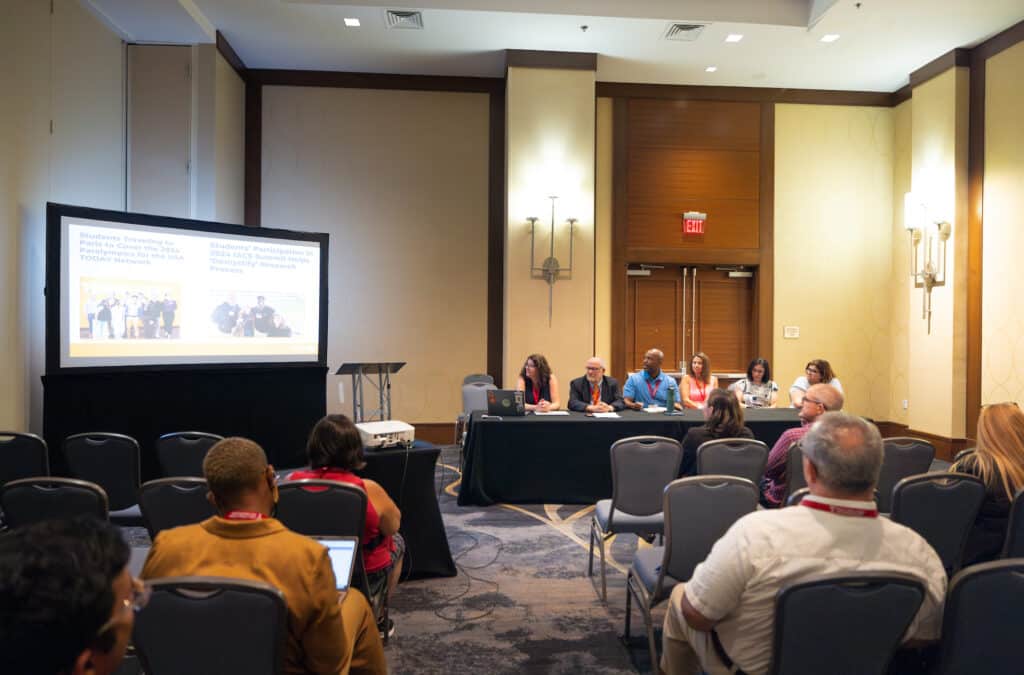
{"x":881,"y":41}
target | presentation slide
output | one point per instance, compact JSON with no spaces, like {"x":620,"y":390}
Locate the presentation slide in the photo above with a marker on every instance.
{"x":141,"y":295}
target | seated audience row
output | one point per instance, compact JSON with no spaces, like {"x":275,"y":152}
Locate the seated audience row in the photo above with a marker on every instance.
{"x":723,"y":418}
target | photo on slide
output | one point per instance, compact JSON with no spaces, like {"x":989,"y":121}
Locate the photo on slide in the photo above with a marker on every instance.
{"x":128,"y":309}
{"x":260,"y":314}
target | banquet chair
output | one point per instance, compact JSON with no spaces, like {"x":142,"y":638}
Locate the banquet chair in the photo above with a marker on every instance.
{"x":181,"y":453}
{"x":30,"y":500}
{"x":22,"y":456}
{"x":112,"y":462}
{"x":742,"y":457}
{"x":1013,"y":547}
{"x":798,"y":496}
{"x":698,"y":511}
{"x":210,"y":626}
{"x":478,"y":377}
{"x":904,"y":456}
{"x":170,"y":502}
{"x":641,"y":468}
{"x":474,"y":397}
{"x":794,"y":471}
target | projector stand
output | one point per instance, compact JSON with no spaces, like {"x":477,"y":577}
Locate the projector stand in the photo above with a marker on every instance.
{"x":383,"y":385}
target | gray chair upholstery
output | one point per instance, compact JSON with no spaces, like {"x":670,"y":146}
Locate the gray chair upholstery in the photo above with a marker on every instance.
{"x":843,"y":624}
{"x":1013,"y":547}
{"x":904,"y":456}
{"x":112,"y":462}
{"x":698,"y":511}
{"x":211,"y":626}
{"x":742,"y":457}
{"x":170,"y":502}
{"x":30,"y":500}
{"x":941,"y":507}
{"x":22,"y":456}
{"x":794,"y":471}
{"x":478,"y":377}
{"x":797,"y":496}
{"x":474,"y":397}
{"x":641,"y":468}
{"x":982,"y":619}
{"x":181,"y":453}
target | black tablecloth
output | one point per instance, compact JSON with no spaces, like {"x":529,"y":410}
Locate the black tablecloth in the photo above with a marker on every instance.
{"x":565,"y":459}
{"x":408,"y":478}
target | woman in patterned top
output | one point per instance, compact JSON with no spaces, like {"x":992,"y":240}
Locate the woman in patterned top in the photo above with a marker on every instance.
{"x":757,"y":389}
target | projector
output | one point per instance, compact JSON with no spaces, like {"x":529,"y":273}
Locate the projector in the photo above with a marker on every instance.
{"x":386,"y":434}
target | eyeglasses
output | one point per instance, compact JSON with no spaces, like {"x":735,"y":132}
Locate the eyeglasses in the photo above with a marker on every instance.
{"x":823,"y":406}
{"x":594,"y":368}
{"x":812,"y":371}
{"x":141,"y":592}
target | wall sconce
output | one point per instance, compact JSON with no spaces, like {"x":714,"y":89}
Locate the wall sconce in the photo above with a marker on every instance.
{"x":550,"y":270}
{"x":927,"y":267}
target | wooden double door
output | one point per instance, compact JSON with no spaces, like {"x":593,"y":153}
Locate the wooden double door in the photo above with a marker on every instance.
{"x":684,"y":309}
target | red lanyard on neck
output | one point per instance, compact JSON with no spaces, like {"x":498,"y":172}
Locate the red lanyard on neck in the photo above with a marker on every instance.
{"x":853,"y":511}
{"x":652,"y":387}
{"x":244,"y":515}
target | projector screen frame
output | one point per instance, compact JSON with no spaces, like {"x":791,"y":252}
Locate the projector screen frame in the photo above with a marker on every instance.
{"x":52,"y":289}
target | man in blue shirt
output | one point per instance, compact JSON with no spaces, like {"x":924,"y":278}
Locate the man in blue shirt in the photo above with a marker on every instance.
{"x":650,"y":386}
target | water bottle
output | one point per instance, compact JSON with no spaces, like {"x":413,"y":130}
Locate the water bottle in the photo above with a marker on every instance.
{"x":670,"y":400}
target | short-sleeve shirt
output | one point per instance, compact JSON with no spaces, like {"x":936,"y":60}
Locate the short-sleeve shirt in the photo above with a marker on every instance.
{"x":755,"y":395}
{"x":767,"y":550}
{"x":640,"y":385}
{"x":802,"y":384}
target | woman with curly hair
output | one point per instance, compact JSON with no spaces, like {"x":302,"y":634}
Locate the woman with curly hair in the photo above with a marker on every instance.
{"x":538,"y":384}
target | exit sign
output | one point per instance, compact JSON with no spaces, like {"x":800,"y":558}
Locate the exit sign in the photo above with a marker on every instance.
{"x":693,"y":223}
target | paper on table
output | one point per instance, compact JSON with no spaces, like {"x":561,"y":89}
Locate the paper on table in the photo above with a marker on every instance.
{"x":551,"y":412}
{"x":606,"y":414}
{"x":655,"y":409}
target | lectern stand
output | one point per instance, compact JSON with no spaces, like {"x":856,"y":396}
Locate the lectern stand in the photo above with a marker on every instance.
{"x":383,"y":372}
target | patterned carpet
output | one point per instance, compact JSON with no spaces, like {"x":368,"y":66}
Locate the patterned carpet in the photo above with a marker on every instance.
{"x":522,"y":601}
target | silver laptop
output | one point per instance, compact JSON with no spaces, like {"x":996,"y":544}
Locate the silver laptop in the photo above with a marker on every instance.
{"x":343,"y":552}
{"x":505,"y":403}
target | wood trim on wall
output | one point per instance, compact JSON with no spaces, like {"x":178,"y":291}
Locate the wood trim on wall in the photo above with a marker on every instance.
{"x":528,"y":58}
{"x":253,"y":153}
{"x":902,"y":94}
{"x":951,"y":59}
{"x":999,"y":42}
{"x":766,"y":238}
{"x":330,"y":78}
{"x":229,"y":54}
{"x":975,"y":240}
{"x":746,"y":94}
{"x":945,"y":447}
{"x":620,"y":153}
{"x":496,"y":237}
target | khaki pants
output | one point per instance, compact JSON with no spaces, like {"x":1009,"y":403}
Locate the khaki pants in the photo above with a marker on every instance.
{"x":361,"y":632}
{"x":686,"y":651}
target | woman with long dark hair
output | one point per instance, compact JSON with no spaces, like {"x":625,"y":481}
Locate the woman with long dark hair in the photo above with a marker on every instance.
{"x":538,"y":384}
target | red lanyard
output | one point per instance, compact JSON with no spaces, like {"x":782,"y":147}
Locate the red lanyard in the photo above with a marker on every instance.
{"x":536,"y":394}
{"x":653,"y":389}
{"x":244,"y":515}
{"x":839,"y":510}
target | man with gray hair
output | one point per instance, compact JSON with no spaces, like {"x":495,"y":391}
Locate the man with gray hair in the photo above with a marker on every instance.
{"x":595,"y":391}
{"x":722,"y":619}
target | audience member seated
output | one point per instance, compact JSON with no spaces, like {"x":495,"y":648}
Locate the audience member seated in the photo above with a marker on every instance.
{"x":335,"y":452}
{"x":326,"y":633}
{"x":723,"y":419}
{"x":819,"y":399}
{"x":817,"y":371}
{"x":650,"y":386}
{"x":698,"y":382}
{"x":757,"y":389}
{"x":998,"y":460}
{"x":595,"y":391}
{"x":539,"y":384}
{"x":724,"y":614}
{"x":67,"y":600}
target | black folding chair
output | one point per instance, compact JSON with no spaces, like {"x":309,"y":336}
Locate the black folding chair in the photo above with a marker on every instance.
{"x":30,"y":500}
{"x":211,"y":626}
{"x":170,"y":502}
{"x":22,"y":456}
{"x":112,"y":462}
{"x":1013,"y":546}
{"x":904,"y":456}
{"x":742,"y":457}
{"x":794,"y":471}
{"x":182,"y":453}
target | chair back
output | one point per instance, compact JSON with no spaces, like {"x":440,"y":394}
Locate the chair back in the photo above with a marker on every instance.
{"x":22,"y":456}
{"x":904,"y":456}
{"x":478,"y":377}
{"x":170,"y":502}
{"x":848,"y":623}
{"x":941,"y":507}
{"x":182,"y":453}
{"x":641,"y":468}
{"x":109,"y":460}
{"x":794,"y":471}
{"x":798,"y":496}
{"x":1013,"y":547}
{"x":211,"y":626}
{"x":742,"y":457}
{"x":982,"y":619}
{"x":30,"y":500}
{"x":698,"y":511}
{"x":474,"y":396}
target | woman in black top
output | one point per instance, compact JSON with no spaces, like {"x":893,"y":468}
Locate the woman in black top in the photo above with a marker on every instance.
{"x":998,"y":460}
{"x":723,"y":419}
{"x":538,"y":384}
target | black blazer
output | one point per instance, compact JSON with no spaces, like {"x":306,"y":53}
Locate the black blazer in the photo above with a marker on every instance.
{"x":579,"y":393}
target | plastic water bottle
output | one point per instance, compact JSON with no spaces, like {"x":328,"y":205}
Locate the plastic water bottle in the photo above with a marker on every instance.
{"x":670,"y":400}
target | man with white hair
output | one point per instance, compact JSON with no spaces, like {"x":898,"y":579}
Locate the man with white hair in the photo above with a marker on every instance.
{"x":595,"y":391}
{"x":722,"y":619}
{"x":651,"y":385}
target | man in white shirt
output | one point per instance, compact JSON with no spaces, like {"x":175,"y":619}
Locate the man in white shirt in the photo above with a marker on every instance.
{"x":835,"y":529}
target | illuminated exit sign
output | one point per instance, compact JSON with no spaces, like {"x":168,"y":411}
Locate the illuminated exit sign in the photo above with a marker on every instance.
{"x":693,"y":223}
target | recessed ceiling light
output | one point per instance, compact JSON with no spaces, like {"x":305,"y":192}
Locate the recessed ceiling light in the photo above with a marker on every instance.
{"x":352,"y":23}
{"x":733,"y":37}
{"x":710,"y":69}
{"x":831,"y":37}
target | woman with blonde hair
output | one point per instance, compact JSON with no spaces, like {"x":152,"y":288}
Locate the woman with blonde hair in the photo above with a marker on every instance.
{"x":998,"y":460}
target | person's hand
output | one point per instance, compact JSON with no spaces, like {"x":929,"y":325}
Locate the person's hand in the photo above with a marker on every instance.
{"x":606,"y":407}
{"x":636,"y":405}
{"x":543,"y":405}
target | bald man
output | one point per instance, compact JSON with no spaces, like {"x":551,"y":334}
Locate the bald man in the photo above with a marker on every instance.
{"x":595,"y":391}
{"x":650,"y":386}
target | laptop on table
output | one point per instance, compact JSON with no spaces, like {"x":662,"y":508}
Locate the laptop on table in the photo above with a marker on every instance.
{"x":506,"y":403}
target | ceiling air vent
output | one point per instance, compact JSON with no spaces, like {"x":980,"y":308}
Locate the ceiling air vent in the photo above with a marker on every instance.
{"x":408,"y":20}
{"x":684,"y":32}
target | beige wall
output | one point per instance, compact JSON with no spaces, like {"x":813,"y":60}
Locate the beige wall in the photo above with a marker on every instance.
{"x":902,"y":307}
{"x":833,"y":247}
{"x":603,"y":234}
{"x":399,"y":180}
{"x":1002,"y":372}
{"x":937,"y":361}
{"x":69,"y":68}
{"x":229,"y":144}
{"x":550,"y":115}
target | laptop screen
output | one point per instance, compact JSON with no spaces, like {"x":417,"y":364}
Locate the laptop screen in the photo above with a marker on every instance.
{"x":342,"y":552}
